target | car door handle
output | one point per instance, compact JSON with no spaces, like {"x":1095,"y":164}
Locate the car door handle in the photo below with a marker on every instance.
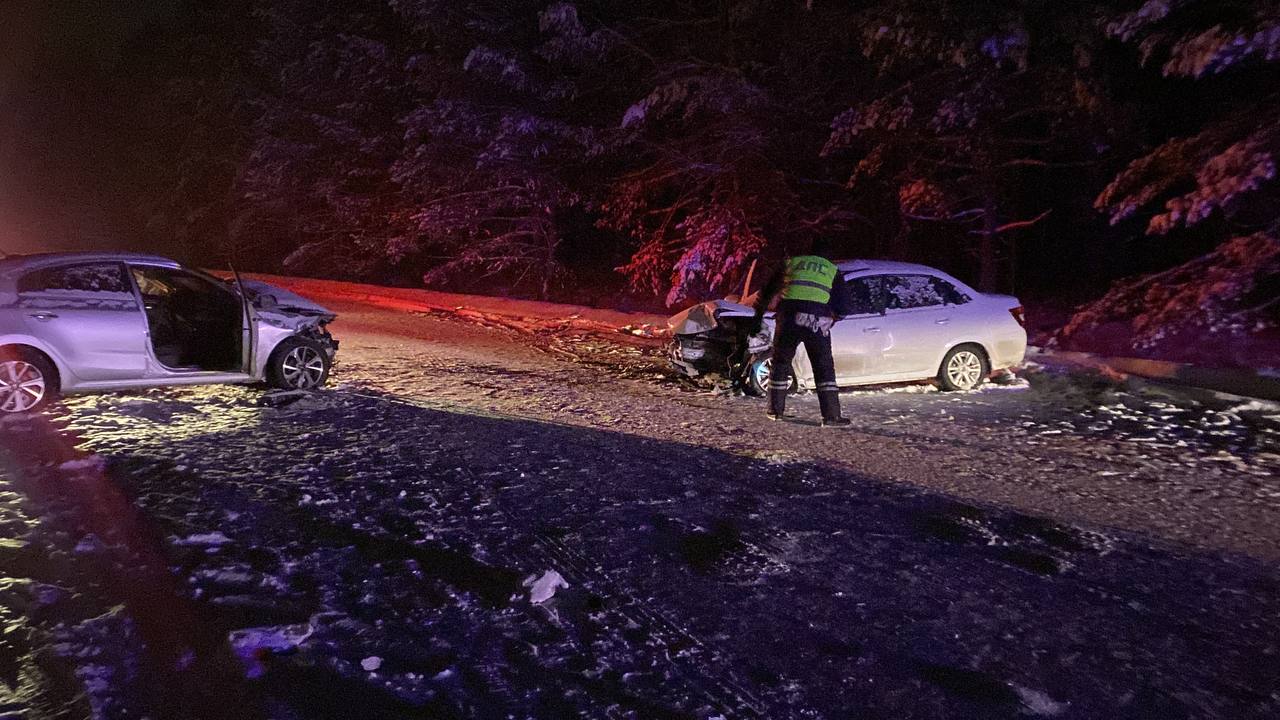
{"x":871,"y":329}
{"x":943,"y":321}
{"x":43,"y":316}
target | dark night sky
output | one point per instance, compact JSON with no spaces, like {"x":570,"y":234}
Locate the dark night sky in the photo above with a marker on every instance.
{"x":60,"y":93}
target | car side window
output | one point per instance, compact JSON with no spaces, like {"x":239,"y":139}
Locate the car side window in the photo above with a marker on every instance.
{"x":162,"y":282}
{"x":910,"y":292}
{"x":861,"y":296}
{"x":86,"y":285}
{"x":950,"y":293}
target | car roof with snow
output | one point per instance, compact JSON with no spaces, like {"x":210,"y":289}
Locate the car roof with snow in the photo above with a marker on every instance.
{"x":884,"y":266}
{"x":22,"y":263}
{"x":893,"y":267}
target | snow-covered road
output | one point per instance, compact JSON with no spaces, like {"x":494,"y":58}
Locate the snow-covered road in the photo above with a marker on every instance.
{"x":1063,"y":547}
{"x":1194,"y":469}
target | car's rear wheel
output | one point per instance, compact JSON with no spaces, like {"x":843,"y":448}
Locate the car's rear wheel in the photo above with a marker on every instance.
{"x":963,"y":368}
{"x":758,"y":375}
{"x":28,"y":381}
{"x":298,"y":364}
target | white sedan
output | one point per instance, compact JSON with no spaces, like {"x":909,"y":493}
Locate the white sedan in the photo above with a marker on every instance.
{"x":900,"y":322}
{"x":90,"y":322}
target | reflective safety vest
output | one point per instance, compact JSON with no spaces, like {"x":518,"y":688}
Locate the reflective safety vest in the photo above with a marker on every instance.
{"x":809,"y":278}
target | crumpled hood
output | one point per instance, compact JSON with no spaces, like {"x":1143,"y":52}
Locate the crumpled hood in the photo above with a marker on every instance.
{"x":704,"y":317}
{"x":285,"y":302}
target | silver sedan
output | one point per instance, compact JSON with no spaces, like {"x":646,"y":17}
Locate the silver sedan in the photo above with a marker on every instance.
{"x":89,"y":322}
{"x":899,"y":322}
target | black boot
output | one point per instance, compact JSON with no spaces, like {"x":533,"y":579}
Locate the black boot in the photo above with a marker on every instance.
{"x":777,"y":404}
{"x":829,"y":401}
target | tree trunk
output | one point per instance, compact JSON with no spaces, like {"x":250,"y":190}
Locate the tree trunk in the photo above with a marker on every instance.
{"x":726,"y":34}
{"x":548,"y":261}
{"x":900,"y":245}
{"x":1012,"y":253}
{"x":988,"y":254}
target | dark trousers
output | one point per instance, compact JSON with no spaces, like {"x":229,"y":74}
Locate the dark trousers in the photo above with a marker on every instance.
{"x":786,"y":340}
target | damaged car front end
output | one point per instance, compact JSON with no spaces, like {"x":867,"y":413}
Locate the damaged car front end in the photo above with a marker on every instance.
{"x":293,"y":345}
{"x":282,"y":309}
{"x":712,"y":340}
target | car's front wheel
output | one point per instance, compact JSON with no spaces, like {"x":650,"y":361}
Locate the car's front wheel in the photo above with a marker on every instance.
{"x":758,"y":375}
{"x":963,"y":368}
{"x":28,"y":381}
{"x":298,"y":364}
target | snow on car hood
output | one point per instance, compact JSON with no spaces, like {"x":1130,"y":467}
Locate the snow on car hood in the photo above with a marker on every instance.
{"x":276,"y":301}
{"x":704,"y":317}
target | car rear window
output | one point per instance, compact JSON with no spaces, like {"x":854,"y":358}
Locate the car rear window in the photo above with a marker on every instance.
{"x":89,"y":278}
{"x":907,"y":292}
{"x":87,"y":286}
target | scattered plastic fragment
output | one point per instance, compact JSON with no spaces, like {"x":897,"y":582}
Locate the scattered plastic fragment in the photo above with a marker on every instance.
{"x":544,"y":588}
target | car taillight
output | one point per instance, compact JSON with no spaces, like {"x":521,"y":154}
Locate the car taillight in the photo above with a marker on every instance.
{"x":1019,"y":314}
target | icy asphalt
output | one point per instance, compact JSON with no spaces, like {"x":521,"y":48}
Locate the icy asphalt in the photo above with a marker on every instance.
{"x":1064,"y":547}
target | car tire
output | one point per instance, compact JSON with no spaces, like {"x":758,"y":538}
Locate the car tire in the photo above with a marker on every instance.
{"x":298,"y":364}
{"x":964,"y":367}
{"x":25,"y":366}
{"x":758,"y":375}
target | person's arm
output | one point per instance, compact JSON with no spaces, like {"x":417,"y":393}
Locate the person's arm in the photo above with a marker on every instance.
{"x":770,"y":290}
{"x":839,"y":295}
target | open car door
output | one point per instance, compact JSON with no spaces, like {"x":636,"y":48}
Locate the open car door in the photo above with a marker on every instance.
{"x":249,"y":322}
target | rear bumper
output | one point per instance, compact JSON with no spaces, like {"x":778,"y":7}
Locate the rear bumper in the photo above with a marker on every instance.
{"x":1008,"y":349}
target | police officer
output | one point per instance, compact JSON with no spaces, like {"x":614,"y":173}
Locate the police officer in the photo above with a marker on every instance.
{"x":808,"y":284}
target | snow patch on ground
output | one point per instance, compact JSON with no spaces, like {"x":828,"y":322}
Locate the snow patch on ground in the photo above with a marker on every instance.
{"x":88,"y":464}
{"x":542,"y":589}
{"x":1038,"y":703}
{"x":254,"y":645}
{"x":204,"y":539}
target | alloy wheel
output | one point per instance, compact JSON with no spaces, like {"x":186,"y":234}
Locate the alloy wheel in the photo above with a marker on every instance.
{"x":22,"y":386}
{"x":965,"y":370}
{"x":303,"y":368}
{"x":760,"y":372}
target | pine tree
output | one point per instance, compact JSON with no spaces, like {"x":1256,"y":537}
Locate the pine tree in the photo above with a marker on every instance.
{"x":1217,"y":178}
{"x":1229,"y":162}
{"x":974,"y":101}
